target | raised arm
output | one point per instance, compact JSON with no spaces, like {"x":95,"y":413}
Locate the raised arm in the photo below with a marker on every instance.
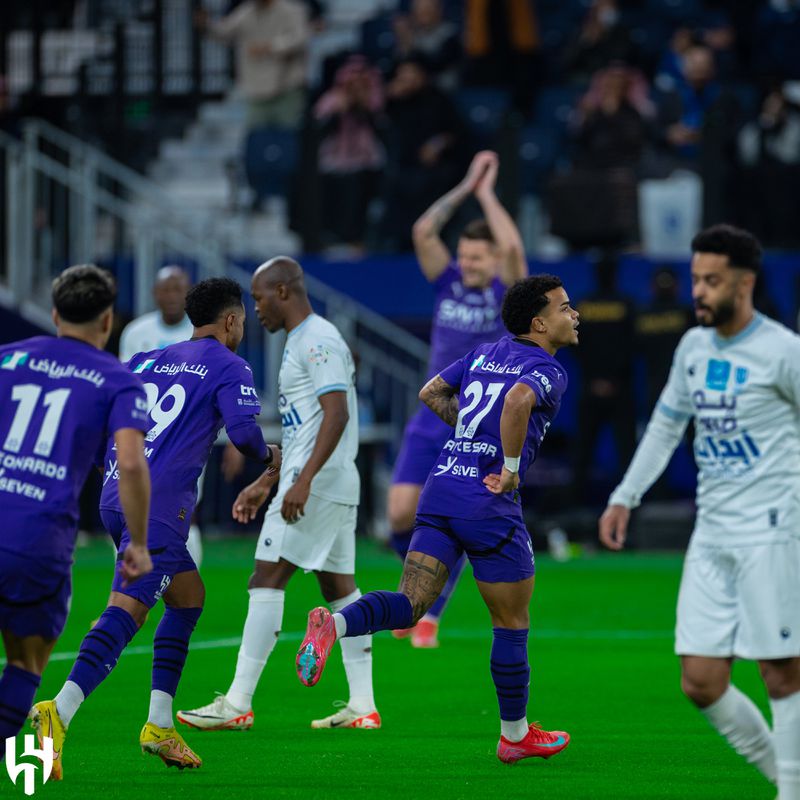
{"x":513,"y":264}
{"x":431,"y":251}
{"x":441,"y":398}
{"x":518,"y":404}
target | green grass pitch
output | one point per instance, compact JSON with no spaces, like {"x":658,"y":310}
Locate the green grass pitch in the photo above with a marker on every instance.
{"x":602,"y":668}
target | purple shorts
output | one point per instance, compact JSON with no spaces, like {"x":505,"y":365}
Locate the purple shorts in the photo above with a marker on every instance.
{"x":499,"y":548}
{"x":168,"y":560}
{"x":423,"y":439}
{"x":34,"y":599}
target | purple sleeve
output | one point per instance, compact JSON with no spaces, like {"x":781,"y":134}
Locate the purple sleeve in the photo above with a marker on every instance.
{"x":451,"y":273}
{"x":247,"y":439}
{"x":129,"y":408}
{"x":454,"y":374}
{"x":238,"y":404}
{"x":548,"y":385}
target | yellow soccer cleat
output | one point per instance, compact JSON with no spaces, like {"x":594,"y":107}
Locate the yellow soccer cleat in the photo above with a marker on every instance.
{"x":169,"y":746}
{"x":46,"y":722}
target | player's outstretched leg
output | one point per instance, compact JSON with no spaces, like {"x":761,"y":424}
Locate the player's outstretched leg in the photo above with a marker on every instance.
{"x":426,"y":632}
{"x":359,"y":711}
{"x":400,"y":542}
{"x":511,"y":676}
{"x":375,"y":611}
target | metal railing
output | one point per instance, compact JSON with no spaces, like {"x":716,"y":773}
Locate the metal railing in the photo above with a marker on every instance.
{"x":66,"y":202}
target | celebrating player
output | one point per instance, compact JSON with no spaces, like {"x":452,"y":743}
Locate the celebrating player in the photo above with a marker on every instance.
{"x":469,"y":292}
{"x":193,"y":388}
{"x":311,"y":521}
{"x":738,"y":377}
{"x":501,"y":399}
{"x":61,"y":400}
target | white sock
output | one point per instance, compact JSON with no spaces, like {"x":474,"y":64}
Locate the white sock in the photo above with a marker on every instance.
{"x":194,"y":545}
{"x":514,"y":731}
{"x":261,"y":629}
{"x":357,"y":657}
{"x":341,"y":625}
{"x":68,"y":701}
{"x":160,"y":713}
{"x":786,"y":739}
{"x":738,"y":719}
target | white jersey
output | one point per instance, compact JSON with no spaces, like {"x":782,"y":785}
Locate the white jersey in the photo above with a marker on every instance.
{"x":149,"y":332}
{"x":317,"y":360}
{"x":743,"y":393}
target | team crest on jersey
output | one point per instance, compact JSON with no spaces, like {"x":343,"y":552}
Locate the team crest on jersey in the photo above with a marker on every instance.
{"x":742,"y":374}
{"x":318,"y":354}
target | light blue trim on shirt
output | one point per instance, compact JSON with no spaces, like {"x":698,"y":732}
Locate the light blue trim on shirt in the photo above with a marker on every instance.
{"x":723,"y":342}
{"x":333,"y":387}
{"x":678,"y":416}
{"x":293,"y":331}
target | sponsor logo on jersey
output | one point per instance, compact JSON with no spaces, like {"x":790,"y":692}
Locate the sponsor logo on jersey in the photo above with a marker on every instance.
{"x":718,"y":374}
{"x":14,"y":360}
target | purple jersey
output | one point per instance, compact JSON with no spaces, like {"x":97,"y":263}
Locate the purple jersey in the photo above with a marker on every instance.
{"x":455,"y":485}
{"x":60,"y":400}
{"x":463,"y":318}
{"x":193,"y":389}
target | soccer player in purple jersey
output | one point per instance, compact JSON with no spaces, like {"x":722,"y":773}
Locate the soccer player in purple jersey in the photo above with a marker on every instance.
{"x":193,"y":388}
{"x":469,"y":293}
{"x":501,"y":399}
{"x":60,"y":399}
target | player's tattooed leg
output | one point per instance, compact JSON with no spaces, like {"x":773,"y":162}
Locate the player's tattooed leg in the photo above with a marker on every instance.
{"x":423,"y":579}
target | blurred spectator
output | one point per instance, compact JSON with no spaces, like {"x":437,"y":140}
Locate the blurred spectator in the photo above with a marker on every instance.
{"x":425,"y":30}
{"x":601,"y":39}
{"x":271,"y":38}
{"x":777,"y":39}
{"x":769,"y":151}
{"x":351,"y":154}
{"x":605,"y":355}
{"x":610,"y":125}
{"x":697,"y":127}
{"x":669,"y":73}
{"x":659,"y":327}
{"x":501,"y":47}
{"x":424,"y":149}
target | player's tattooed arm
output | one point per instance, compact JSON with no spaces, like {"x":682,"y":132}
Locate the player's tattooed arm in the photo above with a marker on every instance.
{"x":441,"y":398}
{"x":423,"y":579}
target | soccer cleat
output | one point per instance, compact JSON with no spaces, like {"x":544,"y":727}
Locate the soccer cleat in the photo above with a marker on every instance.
{"x":217,"y":716}
{"x":320,"y":638}
{"x":169,"y":746}
{"x":402,"y":633}
{"x":345,"y":717}
{"x":536,"y":744}
{"x":46,"y":722}
{"x":425,"y":634}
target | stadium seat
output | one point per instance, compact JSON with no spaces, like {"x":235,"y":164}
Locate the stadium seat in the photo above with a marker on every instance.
{"x":484,"y":110}
{"x":555,"y":104}
{"x":271,"y":156}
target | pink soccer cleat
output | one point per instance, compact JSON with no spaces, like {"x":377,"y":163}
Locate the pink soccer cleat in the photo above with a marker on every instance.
{"x":537,"y":743}
{"x":320,"y":638}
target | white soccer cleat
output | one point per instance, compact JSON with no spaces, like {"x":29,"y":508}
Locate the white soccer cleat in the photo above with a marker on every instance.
{"x":217,"y":716}
{"x":345,"y":717}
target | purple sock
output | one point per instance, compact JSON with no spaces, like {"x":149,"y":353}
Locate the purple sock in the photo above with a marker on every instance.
{"x":378,"y":611}
{"x":400,"y":542}
{"x":510,"y":672}
{"x":101,"y":648}
{"x":437,"y":609}
{"x":171,"y":646}
{"x":17,"y":690}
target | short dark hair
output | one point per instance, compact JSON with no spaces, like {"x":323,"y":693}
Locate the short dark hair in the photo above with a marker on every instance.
{"x":525,"y":299}
{"x":206,"y":301}
{"x":741,"y":247}
{"x":83,"y":292}
{"x":478,"y":230}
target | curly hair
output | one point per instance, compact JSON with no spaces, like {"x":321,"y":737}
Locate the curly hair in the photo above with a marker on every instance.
{"x":525,"y":299}
{"x":741,"y":247}
{"x":83,"y":292}
{"x":207,"y":301}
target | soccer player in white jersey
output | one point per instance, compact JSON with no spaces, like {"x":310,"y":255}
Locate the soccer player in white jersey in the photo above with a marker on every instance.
{"x":156,"y":330}
{"x":738,"y":376}
{"x":310,"y":524}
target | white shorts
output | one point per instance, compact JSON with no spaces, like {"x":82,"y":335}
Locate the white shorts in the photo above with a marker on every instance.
{"x":740,"y":601}
{"x":323,"y":539}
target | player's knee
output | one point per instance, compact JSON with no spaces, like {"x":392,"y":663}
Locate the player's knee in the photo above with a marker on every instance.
{"x":702,"y":690}
{"x":782,"y":678}
{"x":401,"y":516}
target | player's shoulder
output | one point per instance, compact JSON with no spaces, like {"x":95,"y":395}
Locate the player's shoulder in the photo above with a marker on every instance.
{"x":316,"y":330}
{"x":776,"y":332}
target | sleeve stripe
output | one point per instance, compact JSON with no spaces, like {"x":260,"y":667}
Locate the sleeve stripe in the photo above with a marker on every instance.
{"x":678,"y":416}
{"x":332,"y":387}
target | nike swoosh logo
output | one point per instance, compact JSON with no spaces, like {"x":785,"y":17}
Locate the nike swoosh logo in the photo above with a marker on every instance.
{"x":335,"y":724}
{"x":556,"y":743}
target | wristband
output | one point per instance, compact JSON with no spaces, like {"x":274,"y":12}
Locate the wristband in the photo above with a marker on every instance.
{"x":511,"y":464}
